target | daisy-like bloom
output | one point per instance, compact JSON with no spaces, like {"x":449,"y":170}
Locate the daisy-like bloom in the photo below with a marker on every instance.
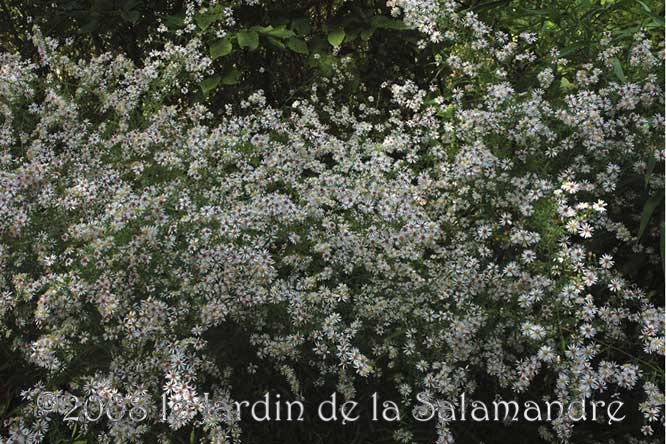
{"x":568,"y":211}
{"x":599,"y":206}
{"x":570,"y":187}
{"x":573,"y":226}
{"x":577,"y":255}
{"x":337,"y":237}
{"x":589,"y":278}
{"x":585,"y":230}
{"x":587,"y":330}
{"x":511,"y":269}
{"x":505,"y":219}
{"x":528,"y":256}
{"x":484,"y":232}
{"x":533,"y":331}
{"x":615,"y":285}
{"x":606,"y":261}
{"x":546,"y":354}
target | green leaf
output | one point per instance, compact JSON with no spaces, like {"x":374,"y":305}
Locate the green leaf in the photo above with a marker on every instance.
{"x":336,"y":37}
{"x":617,"y":69}
{"x":281,"y":32}
{"x":297,"y":45}
{"x":655,"y":23}
{"x":301,"y":26}
{"x":220,"y":48}
{"x":380,"y":21}
{"x":566,"y":85}
{"x":90,"y":26}
{"x":366,"y":34}
{"x":131,"y":4}
{"x":231,"y":77}
{"x":130,"y":16}
{"x":646,"y":7}
{"x":569,"y":50}
{"x":174,"y":21}
{"x":262,"y":29}
{"x":352,"y":35}
{"x":275,"y":42}
{"x":324,"y":62}
{"x":446,"y":113}
{"x":662,"y":238}
{"x":210,"y":83}
{"x":248,"y":40}
{"x":648,"y":210}
{"x":204,"y":20}
{"x":652,"y":162}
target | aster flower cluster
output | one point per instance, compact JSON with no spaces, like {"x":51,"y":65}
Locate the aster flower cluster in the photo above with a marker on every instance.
{"x":471,"y":235}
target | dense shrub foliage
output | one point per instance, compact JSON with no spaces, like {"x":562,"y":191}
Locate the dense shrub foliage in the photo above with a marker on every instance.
{"x":401,"y":197}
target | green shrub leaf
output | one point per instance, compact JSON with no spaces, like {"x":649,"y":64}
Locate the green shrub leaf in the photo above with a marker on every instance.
{"x":301,"y":26}
{"x":275,"y":42}
{"x":617,"y":69}
{"x":281,"y":33}
{"x":231,"y":77}
{"x":248,"y":40}
{"x":298,"y":45}
{"x":204,"y":21}
{"x":210,"y":83}
{"x":648,"y":210}
{"x":220,"y":48}
{"x":174,"y":21}
{"x":379,"y":21}
{"x":336,"y":37}
{"x":131,"y":16}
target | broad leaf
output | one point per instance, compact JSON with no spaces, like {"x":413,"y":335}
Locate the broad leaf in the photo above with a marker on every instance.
{"x":281,"y":32}
{"x":174,"y":21}
{"x":648,"y":210}
{"x":220,"y":48}
{"x":301,"y":26}
{"x":90,"y":26}
{"x":275,"y":42}
{"x":204,"y":20}
{"x":231,"y":77}
{"x":366,"y":34}
{"x":324,"y":63}
{"x":210,"y":83}
{"x":130,"y":16}
{"x":261,"y":29}
{"x":336,"y":37}
{"x":131,"y":4}
{"x":248,"y":40}
{"x":379,"y":21}
{"x":297,"y":45}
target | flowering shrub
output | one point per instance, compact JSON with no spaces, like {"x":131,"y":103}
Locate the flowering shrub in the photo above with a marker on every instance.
{"x":472,"y":235}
